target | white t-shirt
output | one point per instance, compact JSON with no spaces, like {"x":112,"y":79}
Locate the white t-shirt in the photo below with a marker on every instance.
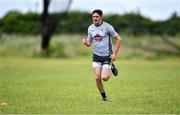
{"x":99,"y":36}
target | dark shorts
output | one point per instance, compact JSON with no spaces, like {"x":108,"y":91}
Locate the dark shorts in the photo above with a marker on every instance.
{"x":101,"y":59}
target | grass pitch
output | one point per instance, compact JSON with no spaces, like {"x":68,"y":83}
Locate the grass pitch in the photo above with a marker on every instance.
{"x":49,"y":86}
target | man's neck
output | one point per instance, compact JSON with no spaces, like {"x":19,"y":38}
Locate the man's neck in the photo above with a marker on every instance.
{"x":100,"y":22}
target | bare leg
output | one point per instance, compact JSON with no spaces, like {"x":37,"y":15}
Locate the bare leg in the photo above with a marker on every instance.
{"x":99,"y":84}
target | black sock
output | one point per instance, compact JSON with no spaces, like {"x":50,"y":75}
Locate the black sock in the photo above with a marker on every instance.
{"x":103,"y":95}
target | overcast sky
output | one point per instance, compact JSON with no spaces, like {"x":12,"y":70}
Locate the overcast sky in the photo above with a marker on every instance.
{"x":154,"y":9}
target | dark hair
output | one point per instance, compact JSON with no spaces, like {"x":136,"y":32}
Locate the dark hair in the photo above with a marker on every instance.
{"x":98,"y":11}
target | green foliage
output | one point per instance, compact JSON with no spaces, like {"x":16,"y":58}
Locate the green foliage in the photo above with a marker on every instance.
{"x":173,"y":26}
{"x":78,"y":22}
{"x":15,"y":22}
{"x":75,"y":22}
{"x":131,"y":23}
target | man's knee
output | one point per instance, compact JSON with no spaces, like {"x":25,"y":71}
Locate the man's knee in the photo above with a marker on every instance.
{"x":98,"y":78}
{"x":105,"y":78}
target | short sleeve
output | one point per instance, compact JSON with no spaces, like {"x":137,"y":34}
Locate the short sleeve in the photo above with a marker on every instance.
{"x":111,"y":31}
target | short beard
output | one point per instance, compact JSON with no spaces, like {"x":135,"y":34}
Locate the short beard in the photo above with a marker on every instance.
{"x":97,"y":24}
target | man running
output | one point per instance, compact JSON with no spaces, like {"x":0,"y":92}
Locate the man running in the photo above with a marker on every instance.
{"x":100,"y":34}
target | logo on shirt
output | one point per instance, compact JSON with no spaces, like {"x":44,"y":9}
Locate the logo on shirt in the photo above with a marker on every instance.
{"x":98,"y":37}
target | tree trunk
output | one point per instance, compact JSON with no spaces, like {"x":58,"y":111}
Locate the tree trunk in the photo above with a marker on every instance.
{"x":45,"y":27}
{"x":49,"y":24}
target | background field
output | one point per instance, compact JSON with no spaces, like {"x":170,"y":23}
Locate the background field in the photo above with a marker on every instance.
{"x":29,"y":83}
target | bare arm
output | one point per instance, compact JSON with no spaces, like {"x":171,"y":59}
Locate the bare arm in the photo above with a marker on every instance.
{"x":116,"y":47}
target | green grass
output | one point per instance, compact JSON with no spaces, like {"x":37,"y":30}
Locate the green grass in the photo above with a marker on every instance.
{"x":49,"y":86}
{"x":32,"y":84}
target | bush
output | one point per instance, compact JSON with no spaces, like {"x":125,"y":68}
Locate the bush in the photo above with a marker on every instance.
{"x":78,"y":22}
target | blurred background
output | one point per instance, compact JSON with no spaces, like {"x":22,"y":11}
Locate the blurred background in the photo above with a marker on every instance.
{"x":44,"y":68}
{"x":54,"y":28}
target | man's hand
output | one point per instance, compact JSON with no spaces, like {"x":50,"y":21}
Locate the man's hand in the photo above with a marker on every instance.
{"x":85,"y":42}
{"x":113,"y":57}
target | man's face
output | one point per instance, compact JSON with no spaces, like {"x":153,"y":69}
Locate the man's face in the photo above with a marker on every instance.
{"x":96,"y":18}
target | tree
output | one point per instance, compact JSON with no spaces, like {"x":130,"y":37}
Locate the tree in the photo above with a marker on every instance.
{"x":50,"y":22}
